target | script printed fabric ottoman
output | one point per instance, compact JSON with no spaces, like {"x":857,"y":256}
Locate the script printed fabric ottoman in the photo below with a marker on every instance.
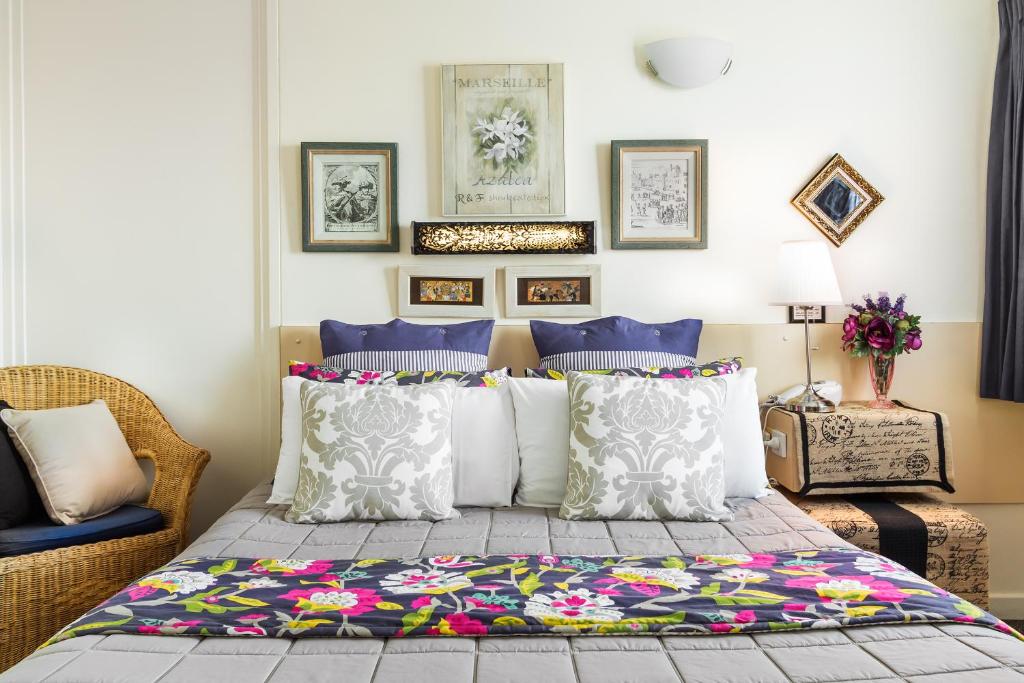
{"x":937,"y":540}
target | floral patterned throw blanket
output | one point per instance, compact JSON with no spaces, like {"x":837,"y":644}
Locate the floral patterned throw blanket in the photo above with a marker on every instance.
{"x":526,"y":595}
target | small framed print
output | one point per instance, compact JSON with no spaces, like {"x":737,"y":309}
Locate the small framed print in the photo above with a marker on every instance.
{"x":439,"y":292}
{"x":349,"y":196}
{"x":659,"y":194}
{"x":553,"y":291}
{"x":837,"y":200}
{"x":814,"y":314}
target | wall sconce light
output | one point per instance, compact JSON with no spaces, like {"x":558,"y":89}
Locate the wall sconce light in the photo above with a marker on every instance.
{"x":689,"y":62}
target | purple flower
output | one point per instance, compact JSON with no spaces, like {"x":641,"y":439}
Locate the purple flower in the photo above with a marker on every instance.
{"x":880,"y":334}
{"x":869,"y":303}
{"x":912,"y":342}
{"x":849,"y":328}
{"x":857,"y":307}
{"x":898,"y":308}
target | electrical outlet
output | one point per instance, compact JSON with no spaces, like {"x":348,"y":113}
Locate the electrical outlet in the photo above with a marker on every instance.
{"x":777,"y":444}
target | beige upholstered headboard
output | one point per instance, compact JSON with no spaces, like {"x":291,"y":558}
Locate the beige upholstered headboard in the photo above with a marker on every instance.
{"x":986,"y":434}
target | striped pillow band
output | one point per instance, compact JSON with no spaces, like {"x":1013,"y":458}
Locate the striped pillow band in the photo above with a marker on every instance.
{"x":601,"y":360}
{"x":462,"y":361}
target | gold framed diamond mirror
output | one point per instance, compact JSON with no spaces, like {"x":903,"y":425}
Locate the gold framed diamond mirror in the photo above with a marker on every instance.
{"x":837,"y":200}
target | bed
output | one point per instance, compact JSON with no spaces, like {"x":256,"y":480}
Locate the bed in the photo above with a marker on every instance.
{"x":252,"y":528}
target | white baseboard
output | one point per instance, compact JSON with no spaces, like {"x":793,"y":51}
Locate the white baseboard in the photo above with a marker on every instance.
{"x":1007,"y":605}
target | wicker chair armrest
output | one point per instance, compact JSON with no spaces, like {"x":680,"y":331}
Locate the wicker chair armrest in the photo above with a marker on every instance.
{"x":177,"y":467}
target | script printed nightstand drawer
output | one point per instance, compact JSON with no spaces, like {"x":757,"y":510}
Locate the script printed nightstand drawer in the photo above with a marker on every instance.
{"x":862,"y":450}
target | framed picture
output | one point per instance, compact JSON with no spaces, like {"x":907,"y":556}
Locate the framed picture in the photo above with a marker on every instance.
{"x":553,"y":291}
{"x":445,"y":292}
{"x":465,"y":237}
{"x":349,"y":196}
{"x":815,"y":314}
{"x":502,"y":140}
{"x":659,"y":194}
{"x":837,"y":200}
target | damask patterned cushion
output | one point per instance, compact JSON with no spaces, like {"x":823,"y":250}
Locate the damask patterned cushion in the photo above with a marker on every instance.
{"x":616,"y":342}
{"x":399,"y":345}
{"x":722,"y":366}
{"x":377,"y":452}
{"x":645,"y":450}
{"x":322,"y":373}
{"x":482,"y":413}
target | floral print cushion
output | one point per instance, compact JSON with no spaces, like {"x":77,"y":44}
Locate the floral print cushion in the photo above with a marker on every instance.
{"x":502,"y":595}
{"x":320,"y":373}
{"x":722,"y":366}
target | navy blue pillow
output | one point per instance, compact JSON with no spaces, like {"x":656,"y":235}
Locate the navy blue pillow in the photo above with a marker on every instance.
{"x":399,"y":345}
{"x":616,"y":342}
{"x":19,"y":500}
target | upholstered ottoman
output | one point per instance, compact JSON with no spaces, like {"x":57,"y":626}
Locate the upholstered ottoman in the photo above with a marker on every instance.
{"x":937,"y":540}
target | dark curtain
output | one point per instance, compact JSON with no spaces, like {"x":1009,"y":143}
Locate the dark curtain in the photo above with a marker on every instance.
{"x":1002,"y":344}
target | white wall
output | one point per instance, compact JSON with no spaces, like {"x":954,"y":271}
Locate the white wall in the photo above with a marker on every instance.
{"x":139,"y":258}
{"x":901,"y":89}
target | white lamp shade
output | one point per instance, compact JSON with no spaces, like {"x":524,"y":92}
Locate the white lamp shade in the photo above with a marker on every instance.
{"x":689,"y":62}
{"x":806,"y":276}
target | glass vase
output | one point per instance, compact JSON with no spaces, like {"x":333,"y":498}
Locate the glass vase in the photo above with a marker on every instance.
{"x":881,"y":369}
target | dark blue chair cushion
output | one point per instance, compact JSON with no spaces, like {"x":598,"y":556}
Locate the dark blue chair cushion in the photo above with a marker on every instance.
{"x":39,"y":535}
{"x":19,"y":500}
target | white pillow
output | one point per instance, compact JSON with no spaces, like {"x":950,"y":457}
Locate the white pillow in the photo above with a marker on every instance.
{"x":78,"y":460}
{"x":745,"y":475}
{"x":485,"y":454}
{"x":542,"y":428}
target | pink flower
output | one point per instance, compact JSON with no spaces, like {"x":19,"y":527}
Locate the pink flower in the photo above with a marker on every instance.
{"x":547,"y":559}
{"x":686,"y":372}
{"x":609,"y":591}
{"x":849,"y":330}
{"x":327,"y":578}
{"x":645,"y":589}
{"x":350,"y":601}
{"x":483,"y":605}
{"x":367,"y":377}
{"x":745,"y":616}
{"x":421,"y":601}
{"x":760,"y":561}
{"x":795,"y":607}
{"x":140,"y":592}
{"x":297,"y":368}
{"x":460,"y":624}
{"x":721,"y":628}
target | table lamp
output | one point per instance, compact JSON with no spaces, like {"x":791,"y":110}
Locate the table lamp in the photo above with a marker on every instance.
{"x":806,"y":278}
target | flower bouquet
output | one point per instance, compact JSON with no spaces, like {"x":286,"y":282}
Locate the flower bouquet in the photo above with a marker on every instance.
{"x":881,"y":330}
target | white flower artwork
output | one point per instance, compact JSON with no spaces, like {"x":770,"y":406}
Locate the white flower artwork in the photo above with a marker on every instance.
{"x":502,"y":130}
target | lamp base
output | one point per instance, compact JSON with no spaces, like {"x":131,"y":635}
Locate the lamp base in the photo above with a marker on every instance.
{"x":810,"y":402}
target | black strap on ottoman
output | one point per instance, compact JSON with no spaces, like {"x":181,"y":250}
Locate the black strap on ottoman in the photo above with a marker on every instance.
{"x":902,"y":535}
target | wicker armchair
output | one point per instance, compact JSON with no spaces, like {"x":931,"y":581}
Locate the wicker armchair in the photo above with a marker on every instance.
{"x":42,"y":592}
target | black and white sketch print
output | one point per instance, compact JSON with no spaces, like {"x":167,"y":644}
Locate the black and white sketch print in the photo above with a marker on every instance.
{"x":351,"y":195}
{"x":659,"y":193}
